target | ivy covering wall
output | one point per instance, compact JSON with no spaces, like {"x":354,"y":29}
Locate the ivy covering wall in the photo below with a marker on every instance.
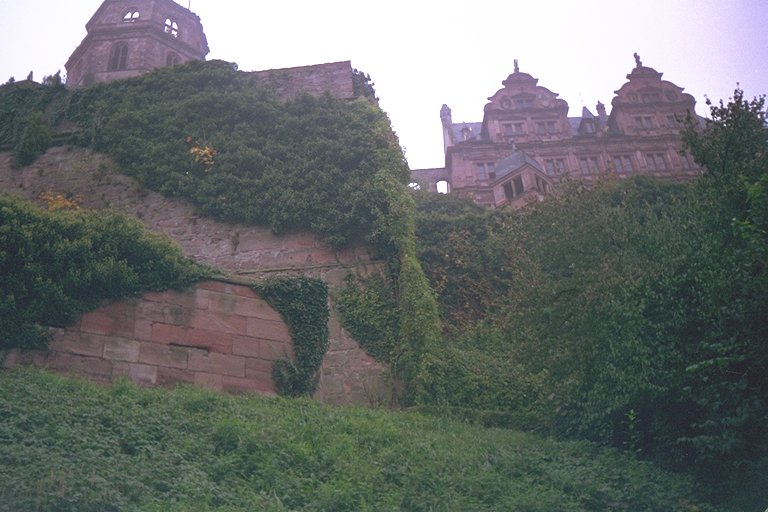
{"x":55,"y":265}
{"x":303,"y":303}
{"x":225,"y":141}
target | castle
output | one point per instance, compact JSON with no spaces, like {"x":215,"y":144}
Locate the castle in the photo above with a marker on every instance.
{"x":526,"y":142}
{"x":128,"y":38}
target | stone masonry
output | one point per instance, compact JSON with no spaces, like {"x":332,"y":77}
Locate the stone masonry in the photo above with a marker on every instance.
{"x":348,"y":374}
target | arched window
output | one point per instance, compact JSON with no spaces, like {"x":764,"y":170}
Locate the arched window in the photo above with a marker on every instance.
{"x":171,"y":27}
{"x":118,"y":59}
{"x":131,"y":16}
{"x":172,"y":60}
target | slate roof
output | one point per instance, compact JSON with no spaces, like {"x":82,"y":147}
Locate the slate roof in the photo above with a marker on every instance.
{"x":514,"y":162}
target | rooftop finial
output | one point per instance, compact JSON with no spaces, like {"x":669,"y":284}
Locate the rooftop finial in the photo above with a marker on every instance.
{"x":517,"y":67}
{"x":638,"y":61}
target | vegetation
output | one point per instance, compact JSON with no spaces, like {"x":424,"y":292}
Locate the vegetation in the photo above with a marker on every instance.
{"x":71,"y":446}
{"x":303,"y":303}
{"x":226,"y":141}
{"x":57,"y":264}
{"x":631,"y":313}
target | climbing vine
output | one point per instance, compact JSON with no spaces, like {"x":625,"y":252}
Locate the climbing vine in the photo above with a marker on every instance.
{"x":303,"y":303}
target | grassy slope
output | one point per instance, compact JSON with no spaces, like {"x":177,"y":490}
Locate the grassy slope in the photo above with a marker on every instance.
{"x":69,"y":445}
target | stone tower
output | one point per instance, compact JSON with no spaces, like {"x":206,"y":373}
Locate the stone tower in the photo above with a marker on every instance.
{"x":129,"y":37}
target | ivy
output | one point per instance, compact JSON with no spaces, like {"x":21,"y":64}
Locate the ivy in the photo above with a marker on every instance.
{"x":368,"y":310}
{"x":303,"y":303}
{"x":55,"y":265}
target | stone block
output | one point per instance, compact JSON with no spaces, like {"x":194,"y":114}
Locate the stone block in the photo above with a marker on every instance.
{"x":91,"y":367}
{"x":172,"y":376}
{"x":119,"y":349}
{"x":240,"y":385}
{"x":208,"y":380}
{"x":199,"y":338}
{"x":163,"y":355}
{"x":143,"y":374}
{"x":142,"y":330}
{"x":273,"y":350}
{"x":76,"y":343}
{"x":246,"y":346}
{"x":257,"y":368}
{"x":121,"y":370}
{"x":112,"y":322}
{"x":219,"y":322}
{"x":219,"y":364}
{"x":268,"y":330}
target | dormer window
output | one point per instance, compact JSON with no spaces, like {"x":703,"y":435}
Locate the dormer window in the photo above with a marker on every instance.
{"x":171,"y":27}
{"x":131,"y":16}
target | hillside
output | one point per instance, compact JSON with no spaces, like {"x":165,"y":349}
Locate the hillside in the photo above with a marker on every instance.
{"x":72,"y":446}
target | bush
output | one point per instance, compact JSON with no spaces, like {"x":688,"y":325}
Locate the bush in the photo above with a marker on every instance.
{"x":56,"y":265}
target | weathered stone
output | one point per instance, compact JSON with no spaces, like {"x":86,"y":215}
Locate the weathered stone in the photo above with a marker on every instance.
{"x":219,"y":364}
{"x":246,"y":346}
{"x":268,"y":330}
{"x":171,"y":376}
{"x":163,"y":355}
{"x":208,"y":380}
{"x":120,"y":349}
{"x":143,"y":374}
{"x":78,"y":343}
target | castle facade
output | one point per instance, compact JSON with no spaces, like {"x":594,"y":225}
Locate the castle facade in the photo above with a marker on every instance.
{"x":526,"y":142}
{"x":126,"y":38}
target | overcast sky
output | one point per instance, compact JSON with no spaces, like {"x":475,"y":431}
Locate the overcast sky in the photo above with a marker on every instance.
{"x":422,"y":54}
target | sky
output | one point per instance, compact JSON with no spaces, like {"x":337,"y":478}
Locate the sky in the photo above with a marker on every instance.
{"x":421,"y":55}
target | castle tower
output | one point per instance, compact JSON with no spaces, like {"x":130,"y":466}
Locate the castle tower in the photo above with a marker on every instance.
{"x":129,"y":37}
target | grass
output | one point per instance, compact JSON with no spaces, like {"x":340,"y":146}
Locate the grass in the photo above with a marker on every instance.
{"x":68,"y":445}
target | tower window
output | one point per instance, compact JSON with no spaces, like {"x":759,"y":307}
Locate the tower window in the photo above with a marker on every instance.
{"x":171,"y":27}
{"x":118,"y":59}
{"x":172,"y":60}
{"x":131,"y":16}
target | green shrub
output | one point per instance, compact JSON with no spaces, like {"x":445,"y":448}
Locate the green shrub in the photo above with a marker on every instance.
{"x":66,"y":451}
{"x":56,"y":265}
{"x":303,"y":303}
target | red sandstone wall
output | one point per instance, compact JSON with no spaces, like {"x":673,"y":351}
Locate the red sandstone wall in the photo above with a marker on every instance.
{"x":218,"y":335}
{"x":334,"y":77}
{"x":348,"y":374}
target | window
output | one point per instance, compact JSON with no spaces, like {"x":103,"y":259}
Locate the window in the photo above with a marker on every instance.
{"x":172,"y":60}
{"x":622,"y":163}
{"x":518,"y":182}
{"x":541,"y":185}
{"x":588,"y":165}
{"x":655,"y":162}
{"x":131,"y":16}
{"x":554,"y":166}
{"x":651,"y":97}
{"x":118,"y":59}
{"x":673,"y":121}
{"x":513,"y":188}
{"x":523,"y":102}
{"x":513,"y":128}
{"x":644,"y":122}
{"x":686,"y":161}
{"x":551,"y":127}
{"x":484,"y":169}
{"x":171,"y":27}
{"x":541,"y":127}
